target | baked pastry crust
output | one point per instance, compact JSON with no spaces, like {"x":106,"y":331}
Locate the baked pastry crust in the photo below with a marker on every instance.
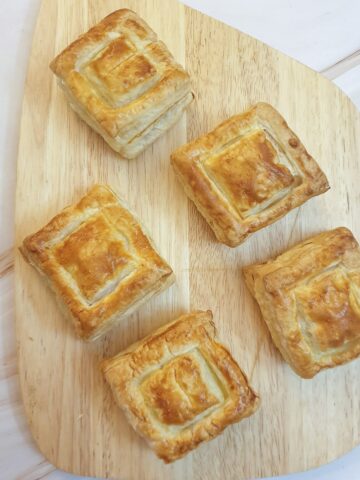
{"x":309,"y":297}
{"x":247,"y":173}
{"x":98,"y":260}
{"x":123,"y":82}
{"x":179,"y":386}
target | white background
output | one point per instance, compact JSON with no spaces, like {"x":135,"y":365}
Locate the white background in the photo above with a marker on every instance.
{"x":323,"y":34}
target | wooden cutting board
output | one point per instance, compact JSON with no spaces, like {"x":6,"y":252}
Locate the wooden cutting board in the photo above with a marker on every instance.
{"x":72,"y":416}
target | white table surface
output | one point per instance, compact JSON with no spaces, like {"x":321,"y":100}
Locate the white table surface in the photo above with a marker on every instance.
{"x":323,"y":34}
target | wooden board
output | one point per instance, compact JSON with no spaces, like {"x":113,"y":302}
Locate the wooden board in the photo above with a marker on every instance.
{"x":72,"y":415}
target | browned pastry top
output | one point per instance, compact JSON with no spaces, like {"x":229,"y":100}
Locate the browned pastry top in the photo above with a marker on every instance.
{"x":98,"y":259}
{"x":123,"y":82}
{"x":247,"y":173}
{"x":310,"y":299}
{"x":179,"y":386}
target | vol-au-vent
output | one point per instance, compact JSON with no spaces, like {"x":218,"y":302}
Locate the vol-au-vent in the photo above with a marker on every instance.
{"x":179,"y":386}
{"x":99,"y":261}
{"x":309,"y":297}
{"x":123,"y":82}
{"x":247,"y":173}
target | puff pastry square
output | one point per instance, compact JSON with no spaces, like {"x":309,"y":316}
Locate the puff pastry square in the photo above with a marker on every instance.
{"x":123,"y":82}
{"x":179,"y":386}
{"x":98,"y":260}
{"x":247,"y":173}
{"x":310,"y":299}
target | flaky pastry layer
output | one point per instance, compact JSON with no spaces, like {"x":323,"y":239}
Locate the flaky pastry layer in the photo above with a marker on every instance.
{"x":179,"y":386}
{"x":123,"y":82}
{"x":309,"y":297}
{"x":99,"y":261}
{"x":247,"y":173}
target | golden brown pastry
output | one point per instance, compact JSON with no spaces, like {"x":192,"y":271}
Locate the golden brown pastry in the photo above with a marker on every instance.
{"x":247,"y":173}
{"x":310,"y":299}
{"x":123,"y":82}
{"x":179,"y":387}
{"x":99,"y":262}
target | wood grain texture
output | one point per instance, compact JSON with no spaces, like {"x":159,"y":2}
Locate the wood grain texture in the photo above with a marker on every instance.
{"x":72,"y":415}
{"x":6,"y":262}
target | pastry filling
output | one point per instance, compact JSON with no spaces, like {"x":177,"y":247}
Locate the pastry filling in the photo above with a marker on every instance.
{"x":183,"y":390}
{"x":96,"y":257}
{"x":329,"y":311}
{"x":120,"y":73}
{"x":252,"y":173}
